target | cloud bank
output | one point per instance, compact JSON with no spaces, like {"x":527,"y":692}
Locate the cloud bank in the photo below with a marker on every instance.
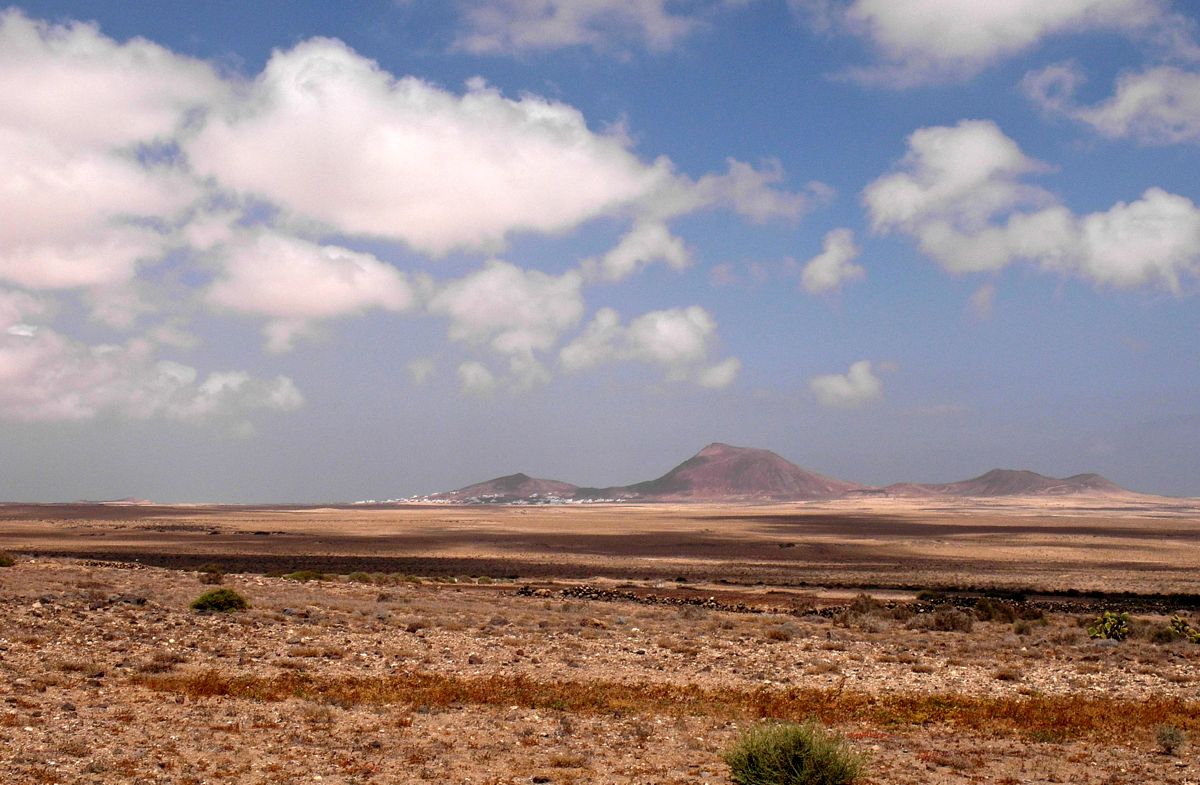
{"x":46,"y":376}
{"x":1153,"y":106}
{"x":296,"y":283}
{"x":512,"y":26}
{"x":959,"y":193}
{"x":678,"y":340}
{"x":936,"y":41}
{"x":258,"y":192}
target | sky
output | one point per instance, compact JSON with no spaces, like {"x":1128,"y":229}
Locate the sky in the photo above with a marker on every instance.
{"x":315,"y":252}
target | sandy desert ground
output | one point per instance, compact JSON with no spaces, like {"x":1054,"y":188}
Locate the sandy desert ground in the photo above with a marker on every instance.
{"x":594,"y":644}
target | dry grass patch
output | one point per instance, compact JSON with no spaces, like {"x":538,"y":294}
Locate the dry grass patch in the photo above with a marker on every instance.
{"x":1037,"y":717}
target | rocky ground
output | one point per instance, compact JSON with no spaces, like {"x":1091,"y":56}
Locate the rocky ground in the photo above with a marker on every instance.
{"x":109,"y":677}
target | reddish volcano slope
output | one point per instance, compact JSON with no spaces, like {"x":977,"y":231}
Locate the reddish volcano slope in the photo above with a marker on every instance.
{"x":1011,"y":482}
{"x":721,"y":471}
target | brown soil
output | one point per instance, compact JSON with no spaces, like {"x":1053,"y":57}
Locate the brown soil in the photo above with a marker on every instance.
{"x":108,"y":677}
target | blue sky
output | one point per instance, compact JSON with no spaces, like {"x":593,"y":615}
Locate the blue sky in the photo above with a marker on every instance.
{"x":312,"y":252}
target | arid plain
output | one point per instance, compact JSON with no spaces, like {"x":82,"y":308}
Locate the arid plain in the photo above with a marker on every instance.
{"x":596,"y":643}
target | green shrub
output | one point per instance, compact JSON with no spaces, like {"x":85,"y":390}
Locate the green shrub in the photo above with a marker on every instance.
{"x":6,"y":559}
{"x":360,"y":577}
{"x":1110,"y":625}
{"x":1169,"y":738}
{"x":952,"y":620}
{"x":862,"y":604}
{"x":220,"y":601}
{"x":988,"y":609}
{"x":929,"y":595}
{"x":304,"y":576}
{"x":1179,"y":628}
{"x":788,"y":753}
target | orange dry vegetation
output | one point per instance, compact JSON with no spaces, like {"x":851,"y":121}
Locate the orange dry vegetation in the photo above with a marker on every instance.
{"x":1040,"y":717}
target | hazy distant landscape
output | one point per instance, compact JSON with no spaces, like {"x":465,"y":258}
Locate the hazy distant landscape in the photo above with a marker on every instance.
{"x":723,"y":473}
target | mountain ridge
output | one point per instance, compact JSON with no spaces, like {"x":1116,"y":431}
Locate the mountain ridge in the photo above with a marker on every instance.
{"x":723,"y":472}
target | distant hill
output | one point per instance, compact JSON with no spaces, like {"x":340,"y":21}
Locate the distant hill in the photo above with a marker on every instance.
{"x":510,"y":488}
{"x":1013,"y":482}
{"x":722,"y":472}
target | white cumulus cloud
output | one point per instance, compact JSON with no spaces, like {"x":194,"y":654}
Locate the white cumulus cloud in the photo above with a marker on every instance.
{"x":1154,"y":106}
{"x":856,"y":387}
{"x":421,"y":369}
{"x":295,"y":282}
{"x":982,"y":300}
{"x":754,"y":194}
{"x":510,"y":26}
{"x":78,"y":203}
{"x":45,"y":376}
{"x":52,"y":75}
{"x":647,"y":242}
{"x":476,"y":379}
{"x":958,"y":193}
{"x":678,"y":340}
{"x":329,"y":136}
{"x":834,"y":265}
{"x":517,"y":313}
{"x":66,"y":213}
{"x":720,"y":375}
{"x":924,"y":41}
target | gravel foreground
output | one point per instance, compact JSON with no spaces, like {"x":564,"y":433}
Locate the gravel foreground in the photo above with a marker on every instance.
{"x":108,"y":677}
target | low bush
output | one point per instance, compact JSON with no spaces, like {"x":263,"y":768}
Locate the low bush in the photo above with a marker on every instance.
{"x":6,"y":559}
{"x":1110,"y":625}
{"x":943,"y":619}
{"x":360,"y":577}
{"x":788,"y":753}
{"x":952,"y":620}
{"x":1031,"y":613}
{"x":1179,"y":628}
{"x":220,"y":601}
{"x":863,"y":604}
{"x":304,"y":576}
{"x":211,"y":574}
{"x":1163,"y":634}
{"x":1169,"y":738}
{"x":988,"y":609}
